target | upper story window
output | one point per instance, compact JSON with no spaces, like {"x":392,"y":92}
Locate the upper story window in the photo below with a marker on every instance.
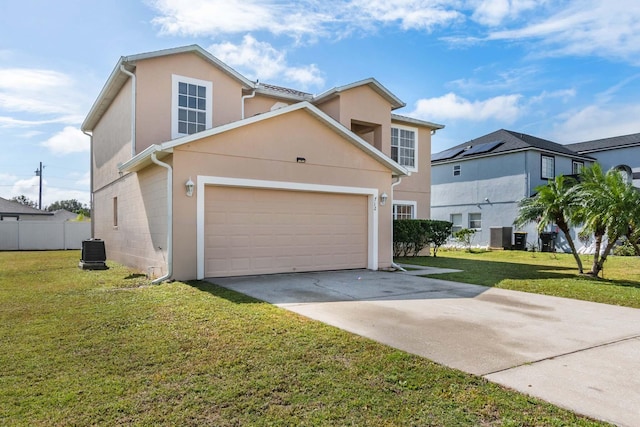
{"x":191,"y":106}
{"x":456,"y":170}
{"x":404,"y":147}
{"x":576,"y":167}
{"x":547,"y":167}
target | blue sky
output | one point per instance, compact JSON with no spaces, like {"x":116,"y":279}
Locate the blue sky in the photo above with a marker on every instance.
{"x":567,"y":71}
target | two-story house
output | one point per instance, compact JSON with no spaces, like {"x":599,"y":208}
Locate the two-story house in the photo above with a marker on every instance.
{"x":478,"y":184}
{"x":196,"y":171}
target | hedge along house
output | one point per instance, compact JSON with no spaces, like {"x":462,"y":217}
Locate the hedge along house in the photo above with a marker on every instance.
{"x":199,"y":172}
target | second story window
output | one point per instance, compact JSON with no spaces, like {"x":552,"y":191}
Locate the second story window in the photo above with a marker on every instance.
{"x":577,"y":167}
{"x":404,"y":147}
{"x":456,"y":170}
{"x":547,"y":167}
{"x":191,"y":106}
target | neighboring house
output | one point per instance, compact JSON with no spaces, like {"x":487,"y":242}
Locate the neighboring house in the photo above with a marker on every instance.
{"x":479,"y":183}
{"x":14,"y":211}
{"x":199,"y":172}
{"x":618,"y":152}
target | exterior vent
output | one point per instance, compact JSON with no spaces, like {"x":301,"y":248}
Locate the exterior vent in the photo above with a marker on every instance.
{"x":94,"y":256}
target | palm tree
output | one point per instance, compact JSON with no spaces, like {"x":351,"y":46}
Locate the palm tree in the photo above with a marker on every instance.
{"x":610,"y":206}
{"x":555,"y":203}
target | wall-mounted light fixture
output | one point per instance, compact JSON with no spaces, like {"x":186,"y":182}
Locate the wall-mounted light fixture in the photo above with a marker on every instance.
{"x":301,"y":159}
{"x":383,"y":199}
{"x":190,"y":186}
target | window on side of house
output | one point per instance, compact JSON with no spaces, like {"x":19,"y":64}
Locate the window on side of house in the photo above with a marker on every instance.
{"x":115,"y":211}
{"x":456,"y":220}
{"x":576,"y":167}
{"x":456,"y":170}
{"x":547,"y":167}
{"x":191,"y":110}
{"x":475,"y":221}
{"x":404,"y":147}
{"x":404,"y":210}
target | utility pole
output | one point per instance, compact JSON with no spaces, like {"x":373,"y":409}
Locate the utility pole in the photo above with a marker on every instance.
{"x":39,"y":173}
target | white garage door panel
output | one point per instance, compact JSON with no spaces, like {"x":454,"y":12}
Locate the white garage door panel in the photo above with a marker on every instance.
{"x":261,"y":231}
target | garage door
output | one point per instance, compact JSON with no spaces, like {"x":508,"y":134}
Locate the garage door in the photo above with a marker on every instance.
{"x":260,"y":231}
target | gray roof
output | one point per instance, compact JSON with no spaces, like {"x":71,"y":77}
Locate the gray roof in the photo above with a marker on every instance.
{"x":9,"y":207}
{"x":606,"y":143}
{"x":510,"y":141}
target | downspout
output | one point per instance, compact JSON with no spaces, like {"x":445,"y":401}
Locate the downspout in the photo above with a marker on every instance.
{"x":248,"y":97}
{"x":133,"y":108}
{"x":155,"y":160}
{"x":90,"y":135}
{"x":393,"y":264}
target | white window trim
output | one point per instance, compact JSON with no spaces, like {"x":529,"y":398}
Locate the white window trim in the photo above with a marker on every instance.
{"x":412,"y":203}
{"x":553,"y":173}
{"x":202,"y":181}
{"x":175,"y":79}
{"x":416,"y":144}
{"x":575,"y":163}
{"x":469,"y":220}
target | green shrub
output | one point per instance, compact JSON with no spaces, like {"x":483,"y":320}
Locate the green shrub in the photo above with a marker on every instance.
{"x":410,"y":236}
{"x":465,"y":236}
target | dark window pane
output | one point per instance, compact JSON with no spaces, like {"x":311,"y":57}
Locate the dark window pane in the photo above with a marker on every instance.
{"x":182,"y":101}
{"x":192,"y":128}
{"x":202,"y":104}
{"x":192,"y":117}
{"x":182,"y":127}
{"x":202,"y":91}
{"x":182,"y":114}
{"x":182,"y":88}
{"x":192,"y":102}
{"x":394,"y":153}
{"x":200,"y":128}
{"x":193,"y":90}
{"x":202,"y":118}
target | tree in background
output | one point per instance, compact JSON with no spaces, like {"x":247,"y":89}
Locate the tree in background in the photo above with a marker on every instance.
{"x":71,"y":205}
{"x":555,"y":203}
{"x":23,"y":200}
{"x":610,"y":207}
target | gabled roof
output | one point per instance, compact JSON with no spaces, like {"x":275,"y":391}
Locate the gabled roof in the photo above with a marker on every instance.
{"x":509,"y":141}
{"x":118,"y":78}
{"x":143,"y":159}
{"x":604,"y":144}
{"x":411,"y":120}
{"x":372,"y":83}
{"x":9,"y":207}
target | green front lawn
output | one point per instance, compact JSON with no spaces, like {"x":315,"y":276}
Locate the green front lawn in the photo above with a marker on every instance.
{"x":542,"y":273}
{"x":106,"y":348}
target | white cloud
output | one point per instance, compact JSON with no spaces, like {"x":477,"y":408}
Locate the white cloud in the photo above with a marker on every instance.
{"x":310,"y":18}
{"x":504,"y":108}
{"x":494,"y":12}
{"x":260,"y":60}
{"x":69,"y":140}
{"x":595,"y":122}
{"x":563,"y":94}
{"x":585,"y":27}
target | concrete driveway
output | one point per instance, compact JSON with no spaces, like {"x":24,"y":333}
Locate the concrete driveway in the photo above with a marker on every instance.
{"x":579,"y":355}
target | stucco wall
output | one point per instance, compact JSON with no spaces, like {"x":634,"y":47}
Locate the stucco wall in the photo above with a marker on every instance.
{"x":140,"y":239}
{"x":112,"y":139}
{"x":268,"y":151}
{"x":629,"y":156}
{"x":417,"y":186}
{"x":154,"y":89}
{"x":261,"y":104}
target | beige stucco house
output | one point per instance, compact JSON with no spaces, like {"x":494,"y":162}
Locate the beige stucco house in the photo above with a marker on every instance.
{"x":199,"y":172}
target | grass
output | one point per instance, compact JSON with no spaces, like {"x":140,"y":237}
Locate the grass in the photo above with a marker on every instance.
{"x":543,"y":273}
{"x":106,"y":348}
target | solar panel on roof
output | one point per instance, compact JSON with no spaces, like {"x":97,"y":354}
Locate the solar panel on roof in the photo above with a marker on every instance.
{"x":448,"y":154}
{"x":482,"y":148}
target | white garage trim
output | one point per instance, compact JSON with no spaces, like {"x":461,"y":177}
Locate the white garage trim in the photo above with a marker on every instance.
{"x":202,"y":181}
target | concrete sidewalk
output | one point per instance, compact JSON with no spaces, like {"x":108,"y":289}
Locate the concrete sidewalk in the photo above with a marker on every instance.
{"x":579,"y":355}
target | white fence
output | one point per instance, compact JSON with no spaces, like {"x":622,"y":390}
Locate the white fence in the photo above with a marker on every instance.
{"x":43,"y":235}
